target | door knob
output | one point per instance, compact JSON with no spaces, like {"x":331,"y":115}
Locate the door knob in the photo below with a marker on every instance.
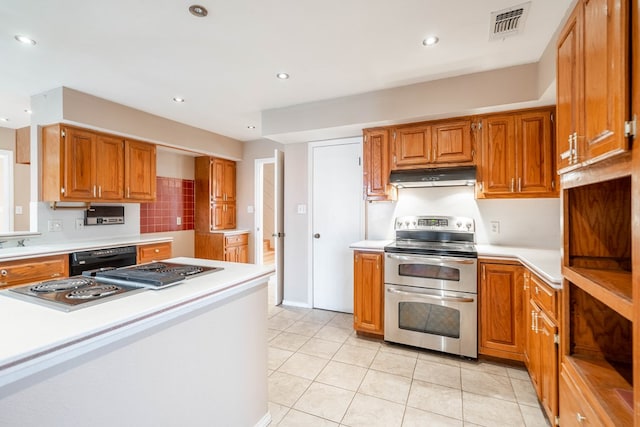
{"x":317,"y":235}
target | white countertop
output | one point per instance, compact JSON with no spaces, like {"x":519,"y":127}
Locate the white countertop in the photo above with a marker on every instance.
{"x":21,"y":252}
{"x":544,"y":262}
{"x":370,"y":245}
{"x":35,"y":337}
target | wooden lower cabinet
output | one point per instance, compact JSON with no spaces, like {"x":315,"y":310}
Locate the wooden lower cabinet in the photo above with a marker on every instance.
{"x":368,"y":292}
{"x":223,"y":246}
{"x":501,"y":327}
{"x":153,"y":252}
{"x":13,"y":273}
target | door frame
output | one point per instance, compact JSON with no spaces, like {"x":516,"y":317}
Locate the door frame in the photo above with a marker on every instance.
{"x":6,"y":157}
{"x":312,"y":145}
{"x":258,"y":226}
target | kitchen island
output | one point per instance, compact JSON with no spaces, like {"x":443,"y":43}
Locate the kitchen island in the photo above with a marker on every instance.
{"x":191,"y":354}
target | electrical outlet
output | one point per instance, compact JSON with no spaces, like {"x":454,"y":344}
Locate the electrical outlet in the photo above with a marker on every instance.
{"x":18,"y":210}
{"x":79,"y":223}
{"x":495,"y":227}
{"x":178,"y":220}
{"x":54,"y":225}
{"x":302,"y":209}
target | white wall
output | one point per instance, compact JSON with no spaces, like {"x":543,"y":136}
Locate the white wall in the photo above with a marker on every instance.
{"x":523,"y":222}
{"x":21,"y":181}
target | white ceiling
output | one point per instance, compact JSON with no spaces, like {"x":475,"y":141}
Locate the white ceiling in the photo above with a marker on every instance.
{"x":142,"y":53}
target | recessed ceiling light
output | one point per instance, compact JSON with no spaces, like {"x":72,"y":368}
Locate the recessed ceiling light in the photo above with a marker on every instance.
{"x":28,"y":111}
{"x":4,"y":119}
{"x":430,"y":41}
{"x":251,"y":127}
{"x":25,"y":40}
{"x":282,"y":76}
{"x":178,"y":99}
{"x":199,"y":11}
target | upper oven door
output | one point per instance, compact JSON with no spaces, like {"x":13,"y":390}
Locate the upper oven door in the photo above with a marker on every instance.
{"x":435,"y":272}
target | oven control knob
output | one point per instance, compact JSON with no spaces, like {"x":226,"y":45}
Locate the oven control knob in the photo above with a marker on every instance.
{"x":468,"y":226}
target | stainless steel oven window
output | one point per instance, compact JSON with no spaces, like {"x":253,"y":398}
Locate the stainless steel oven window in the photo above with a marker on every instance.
{"x":429,"y":271}
{"x":429,"y":318}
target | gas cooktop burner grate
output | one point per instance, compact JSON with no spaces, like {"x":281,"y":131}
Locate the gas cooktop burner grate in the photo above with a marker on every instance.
{"x":61,"y":285}
{"x":93,"y":292}
{"x":183,"y":270}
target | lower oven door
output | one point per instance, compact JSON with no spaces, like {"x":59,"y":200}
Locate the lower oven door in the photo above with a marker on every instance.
{"x":432,"y":319}
{"x":457,"y":274}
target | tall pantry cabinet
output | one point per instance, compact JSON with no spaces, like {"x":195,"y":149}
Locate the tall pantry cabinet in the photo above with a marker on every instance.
{"x":599,"y":161}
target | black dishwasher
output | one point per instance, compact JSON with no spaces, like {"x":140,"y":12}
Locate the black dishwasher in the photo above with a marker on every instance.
{"x":101,"y":258}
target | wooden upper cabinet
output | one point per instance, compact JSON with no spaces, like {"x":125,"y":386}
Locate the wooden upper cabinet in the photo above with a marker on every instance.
{"x":497,"y":167}
{"x":569,"y":89}
{"x":595,"y":41}
{"x":215,"y":194}
{"x":87,"y":166}
{"x":223,"y":180}
{"x":534,"y":162}
{"x":23,"y":145}
{"x":452,"y":142}
{"x":517,"y":155}
{"x":140,"y":171}
{"x":411,"y":147}
{"x":110,"y":167}
{"x":432,"y":144}
{"x":375,"y":167}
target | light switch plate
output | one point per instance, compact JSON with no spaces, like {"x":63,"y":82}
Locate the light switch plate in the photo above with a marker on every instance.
{"x":302,"y":209}
{"x":495,"y":227}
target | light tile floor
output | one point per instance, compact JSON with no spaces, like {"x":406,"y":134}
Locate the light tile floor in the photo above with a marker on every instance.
{"x":322,"y":374}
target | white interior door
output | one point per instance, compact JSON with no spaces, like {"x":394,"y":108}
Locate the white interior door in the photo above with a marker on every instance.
{"x":337,"y":221}
{"x":278,"y":235}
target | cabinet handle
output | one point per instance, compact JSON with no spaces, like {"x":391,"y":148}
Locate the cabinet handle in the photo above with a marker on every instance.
{"x":94,"y":191}
{"x":100,"y":191}
{"x":537,"y":290}
{"x":519,"y":184}
{"x":575,"y":147}
{"x":56,"y":275}
{"x":156,"y":250}
{"x":513,"y":180}
{"x":580,"y":418}
{"x":4,"y":273}
{"x":128,"y":192}
{"x":533,"y":320}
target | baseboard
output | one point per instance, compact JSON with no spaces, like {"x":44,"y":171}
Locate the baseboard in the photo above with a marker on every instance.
{"x":264,"y":421}
{"x":296,"y":304}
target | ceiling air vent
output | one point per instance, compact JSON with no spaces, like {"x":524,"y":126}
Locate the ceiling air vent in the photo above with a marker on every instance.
{"x":508,"y":22}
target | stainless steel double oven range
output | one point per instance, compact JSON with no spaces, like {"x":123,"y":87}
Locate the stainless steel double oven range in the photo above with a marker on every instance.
{"x":431,"y":290}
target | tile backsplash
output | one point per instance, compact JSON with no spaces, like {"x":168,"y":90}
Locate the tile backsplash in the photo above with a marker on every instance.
{"x":174,"y":203}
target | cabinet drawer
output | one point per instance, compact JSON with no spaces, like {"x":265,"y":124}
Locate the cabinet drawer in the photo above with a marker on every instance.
{"x":236,"y":239}
{"x":33,"y":270}
{"x":574,"y":410}
{"x":544,"y":295}
{"x":148,"y":253}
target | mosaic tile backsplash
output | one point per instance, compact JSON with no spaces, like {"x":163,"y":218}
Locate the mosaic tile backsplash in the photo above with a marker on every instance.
{"x":174,"y":199}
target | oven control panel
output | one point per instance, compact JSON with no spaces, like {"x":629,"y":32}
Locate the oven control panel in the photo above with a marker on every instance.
{"x":438,"y":223}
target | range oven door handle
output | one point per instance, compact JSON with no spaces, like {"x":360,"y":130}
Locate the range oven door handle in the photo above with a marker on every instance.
{"x":432,"y":259}
{"x":436,"y":297}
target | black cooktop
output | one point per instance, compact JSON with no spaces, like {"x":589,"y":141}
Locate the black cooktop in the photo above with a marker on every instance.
{"x":417,"y":247}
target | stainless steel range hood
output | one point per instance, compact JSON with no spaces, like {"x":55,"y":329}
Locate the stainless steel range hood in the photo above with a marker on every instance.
{"x":434,"y":177}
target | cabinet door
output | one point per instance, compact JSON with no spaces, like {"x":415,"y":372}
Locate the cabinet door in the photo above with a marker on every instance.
{"x":376,"y":164}
{"x":534,"y":154}
{"x":606,"y":76}
{"x":534,"y":364}
{"x":79,"y":165}
{"x":574,"y":412}
{"x":569,"y":88}
{"x":154,"y":252}
{"x":229,"y":216}
{"x":452,"y":143}
{"x":368,"y":304}
{"x":411,"y":147}
{"x":548,"y":367}
{"x":243,"y":254}
{"x":229,"y":182}
{"x":217,"y":216}
{"x":498,"y":155}
{"x":110,"y":167}
{"x":217,"y":180}
{"x":501,"y":311}
{"x":140,"y":170}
